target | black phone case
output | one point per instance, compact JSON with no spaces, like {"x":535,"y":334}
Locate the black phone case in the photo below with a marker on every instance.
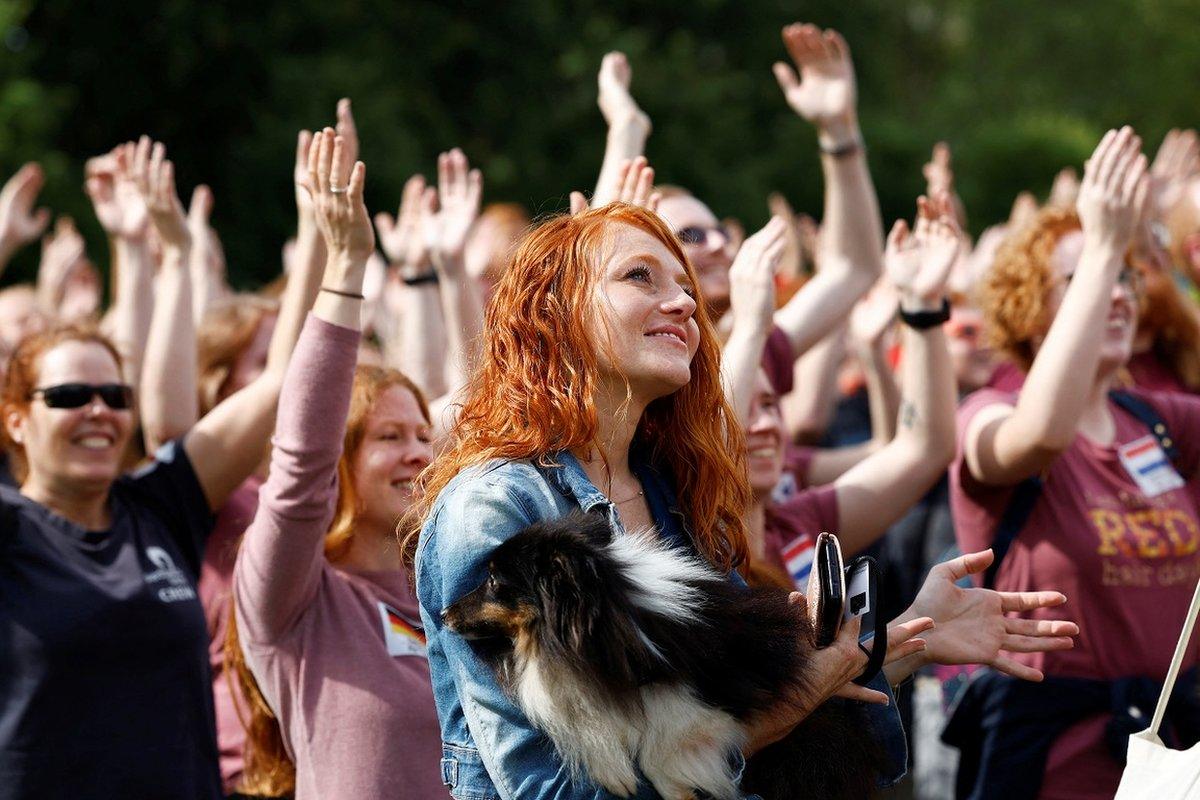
{"x":829,"y":572}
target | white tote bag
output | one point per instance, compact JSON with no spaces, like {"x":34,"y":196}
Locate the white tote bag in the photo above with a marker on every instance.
{"x":1152,"y":770}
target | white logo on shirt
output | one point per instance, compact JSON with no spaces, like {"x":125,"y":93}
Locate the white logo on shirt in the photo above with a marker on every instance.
{"x":177,"y":587}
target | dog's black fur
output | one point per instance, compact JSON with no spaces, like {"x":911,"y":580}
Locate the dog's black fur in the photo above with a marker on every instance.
{"x":558,"y":588}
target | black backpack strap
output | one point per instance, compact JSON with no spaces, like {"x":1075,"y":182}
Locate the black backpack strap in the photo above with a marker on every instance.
{"x":1145,"y":414}
{"x":1016,"y":514}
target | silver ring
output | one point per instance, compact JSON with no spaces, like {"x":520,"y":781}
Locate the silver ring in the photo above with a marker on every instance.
{"x":335,"y":190}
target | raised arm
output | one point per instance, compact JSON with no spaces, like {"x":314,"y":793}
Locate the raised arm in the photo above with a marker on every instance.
{"x":227,"y":444}
{"x":874,"y":494}
{"x":751,"y":302}
{"x":851,"y":230}
{"x":417,"y":342}
{"x":871,"y":319}
{"x":206,"y":265}
{"x":628,"y":125}
{"x":19,"y":223}
{"x":122,"y":213}
{"x":280,"y":564}
{"x":168,"y":388}
{"x":304,"y":280}
{"x":1005,"y":444}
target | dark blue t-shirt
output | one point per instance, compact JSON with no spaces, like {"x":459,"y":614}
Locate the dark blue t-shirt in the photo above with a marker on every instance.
{"x":105,"y":689}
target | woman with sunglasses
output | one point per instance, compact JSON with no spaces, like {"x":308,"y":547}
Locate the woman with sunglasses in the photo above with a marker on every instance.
{"x":104,"y":679}
{"x":1082,"y":489}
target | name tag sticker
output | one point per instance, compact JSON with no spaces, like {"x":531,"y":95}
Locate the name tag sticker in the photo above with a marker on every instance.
{"x":403,"y":638}
{"x":1149,"y":466}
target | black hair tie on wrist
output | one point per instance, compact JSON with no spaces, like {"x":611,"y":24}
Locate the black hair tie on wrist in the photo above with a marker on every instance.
{"x":351,"y":295}
{"x":420,"y":280}
{"x":923,"y":320}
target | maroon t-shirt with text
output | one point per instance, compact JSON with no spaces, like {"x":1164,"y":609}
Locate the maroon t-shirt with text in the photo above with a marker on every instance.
{"x":1128,"y":563}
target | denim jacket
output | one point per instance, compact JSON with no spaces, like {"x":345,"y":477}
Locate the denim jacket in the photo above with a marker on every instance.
{"x":489,"y":749}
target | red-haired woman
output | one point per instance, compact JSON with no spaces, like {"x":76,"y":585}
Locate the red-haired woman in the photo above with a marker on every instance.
{"x":104,"y":682}
{"x":326,"y":643}
{"x":598,"y":389}
{"x":1074,"y":487}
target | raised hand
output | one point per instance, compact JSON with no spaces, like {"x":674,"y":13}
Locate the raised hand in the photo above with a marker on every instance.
{"x":459,"y":192}
{"x":154,"y":176}
{"x":337,"y":191}
{"x":1065,"y":189}
{"x":19,"y":223}
{"x":1113,"y":191}
{"x":972,"y":626}
{"x":616,"y":103}
{"x":752,"y":276}
{"x":1175,"y":164}
{"x":204,"y":238}
{"x":633,"y":183}
{"x":304,"y":202}
{"x":403,"y":237}
{"x":918,"y":263}
{"x":939,"y":175}
{"x":62,"y":249}
{"x":874,"y":314}
{"x":115,"y":197}
{"x":825,"y":92}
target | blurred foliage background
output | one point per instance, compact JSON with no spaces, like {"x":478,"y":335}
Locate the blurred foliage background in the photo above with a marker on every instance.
{"x":1019,"y":89}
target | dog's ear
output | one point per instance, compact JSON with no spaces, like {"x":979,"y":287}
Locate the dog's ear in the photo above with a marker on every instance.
{"x":595,"y":527}
{"x":587,"y":622}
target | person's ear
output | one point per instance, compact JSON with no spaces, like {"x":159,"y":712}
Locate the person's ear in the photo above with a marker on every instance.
{"x":14,"y":425}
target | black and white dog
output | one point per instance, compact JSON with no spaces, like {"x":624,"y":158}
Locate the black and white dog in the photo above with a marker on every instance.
{"x":634,"y":656}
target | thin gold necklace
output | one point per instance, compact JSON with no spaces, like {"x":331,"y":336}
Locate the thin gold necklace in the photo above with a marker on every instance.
{"x":640,"y":493}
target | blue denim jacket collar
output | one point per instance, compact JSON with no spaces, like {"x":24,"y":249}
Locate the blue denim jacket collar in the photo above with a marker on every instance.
{"x":565,"y":473}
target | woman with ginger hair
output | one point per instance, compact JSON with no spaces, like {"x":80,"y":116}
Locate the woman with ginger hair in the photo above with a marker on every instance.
{"x":326,"y":645}
{"x":1076,"y":488}
{"x":598,"y":389}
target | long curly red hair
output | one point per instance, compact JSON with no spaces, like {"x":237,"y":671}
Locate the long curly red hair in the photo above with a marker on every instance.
{"x":532,"y":393}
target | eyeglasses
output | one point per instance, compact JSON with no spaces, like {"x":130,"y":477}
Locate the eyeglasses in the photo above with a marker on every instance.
{"x":1129,"y":277}
{"x":117,"y":396}
{"x":694,"y":234}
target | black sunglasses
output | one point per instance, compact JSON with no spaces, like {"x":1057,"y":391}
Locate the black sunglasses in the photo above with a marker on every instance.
{"x":117,"y":396}
{"x":694,"y":234}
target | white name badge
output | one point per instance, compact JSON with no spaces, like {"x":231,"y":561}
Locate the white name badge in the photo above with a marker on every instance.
{"x":1149,"y":466}
{"x":403,"y":637}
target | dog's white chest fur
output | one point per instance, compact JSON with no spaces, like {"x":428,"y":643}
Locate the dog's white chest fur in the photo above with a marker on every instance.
{"x":680,"y":743}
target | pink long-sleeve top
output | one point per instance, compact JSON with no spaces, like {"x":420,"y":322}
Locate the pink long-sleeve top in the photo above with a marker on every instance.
{"x":337,"y":654}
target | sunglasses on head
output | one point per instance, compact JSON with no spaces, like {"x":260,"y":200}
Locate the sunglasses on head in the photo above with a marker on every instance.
{"x":694,"y":234}
{"x":117,"y":396}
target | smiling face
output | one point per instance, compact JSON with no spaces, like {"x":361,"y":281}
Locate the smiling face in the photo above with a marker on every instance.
{"x":73,"y":447}
{"x":711,"y":257}
{"x":1117,"y":344}
{"x":644,"y":307}
{"x":764,"y":438}
{"x":396,"y":445}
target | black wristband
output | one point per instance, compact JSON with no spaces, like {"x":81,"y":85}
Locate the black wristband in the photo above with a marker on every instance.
{"x":923,"y":320}
{"x":419,"y":280}
{"x":842,"y":150}
{"x":340,"y":293}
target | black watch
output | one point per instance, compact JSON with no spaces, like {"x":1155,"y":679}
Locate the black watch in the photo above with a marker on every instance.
{"x":923,"y":320}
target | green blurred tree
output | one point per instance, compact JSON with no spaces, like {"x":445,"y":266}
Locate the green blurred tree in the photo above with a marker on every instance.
{"x":1019,"y":89}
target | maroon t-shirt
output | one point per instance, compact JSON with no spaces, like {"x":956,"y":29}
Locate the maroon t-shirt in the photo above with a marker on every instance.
{"x":779,"y":361}
{"x":216,"y":586}
{"x":792,"y":528}
{"x":1126,"y":556}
